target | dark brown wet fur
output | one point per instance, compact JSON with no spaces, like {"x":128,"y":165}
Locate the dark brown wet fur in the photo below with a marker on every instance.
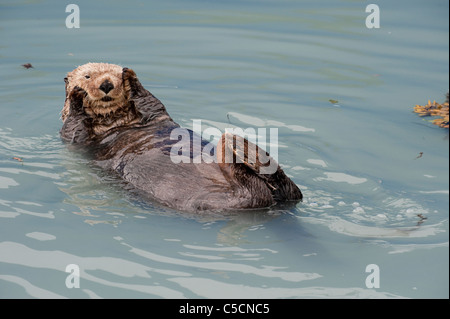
{"x":139,"y":149}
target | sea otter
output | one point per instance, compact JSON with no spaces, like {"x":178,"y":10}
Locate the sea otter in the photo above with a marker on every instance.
{"x":127,"y":130}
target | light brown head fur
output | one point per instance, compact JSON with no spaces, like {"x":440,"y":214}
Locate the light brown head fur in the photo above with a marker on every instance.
{"x":106,"y":98}
{"x":105,"y":90}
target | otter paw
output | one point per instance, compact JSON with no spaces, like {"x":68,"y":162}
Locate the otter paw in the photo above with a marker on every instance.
{"x":76,"y":100}
{"x":132,"y":83}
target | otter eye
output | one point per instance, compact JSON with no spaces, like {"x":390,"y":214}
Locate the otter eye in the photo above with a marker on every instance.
{"x":87,"y":76}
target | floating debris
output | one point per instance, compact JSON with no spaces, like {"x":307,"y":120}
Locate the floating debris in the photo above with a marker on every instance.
{"x":18,"y":159}
{"x":27,"y":66}
{"x":435,"y":109}
{"x":420,"y":155}
{"x":422,"y":219}
{"x":333,"y":101}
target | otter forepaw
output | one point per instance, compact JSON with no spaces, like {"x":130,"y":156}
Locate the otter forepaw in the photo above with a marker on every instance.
{"x":132,"y":83}
{"x":76,"y":100}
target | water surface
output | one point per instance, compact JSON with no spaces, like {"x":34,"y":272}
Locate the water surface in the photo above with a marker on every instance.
{"x":369,"y":199}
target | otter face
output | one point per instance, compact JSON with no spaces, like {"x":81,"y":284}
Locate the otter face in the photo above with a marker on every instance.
{"x":104,"y":89}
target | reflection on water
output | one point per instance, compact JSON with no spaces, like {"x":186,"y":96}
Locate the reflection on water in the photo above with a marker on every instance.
{"x":368,"y":198}
{"x":103,"y":270}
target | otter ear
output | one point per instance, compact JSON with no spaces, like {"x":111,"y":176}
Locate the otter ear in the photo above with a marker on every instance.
{"x":132,"y":84}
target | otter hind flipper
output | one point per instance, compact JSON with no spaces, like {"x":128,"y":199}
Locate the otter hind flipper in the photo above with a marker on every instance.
{"x":237,"y":150}
{"x":235,"y":153}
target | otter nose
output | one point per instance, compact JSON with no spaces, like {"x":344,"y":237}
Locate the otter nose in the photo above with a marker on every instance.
{"x":106,"y":86}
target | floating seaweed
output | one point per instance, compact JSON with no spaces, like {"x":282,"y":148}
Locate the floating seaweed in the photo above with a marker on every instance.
{"x":435,"y":109}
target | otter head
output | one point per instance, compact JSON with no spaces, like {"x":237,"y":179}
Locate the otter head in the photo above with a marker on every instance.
{"x":104,"y":89}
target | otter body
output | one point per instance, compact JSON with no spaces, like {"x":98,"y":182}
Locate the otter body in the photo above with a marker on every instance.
{"x":133,"y":139}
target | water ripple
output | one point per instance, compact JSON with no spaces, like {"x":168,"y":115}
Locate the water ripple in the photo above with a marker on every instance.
{"x":209,"y":288}
{"x":264,"y":271}
{"x":19,"y":254}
